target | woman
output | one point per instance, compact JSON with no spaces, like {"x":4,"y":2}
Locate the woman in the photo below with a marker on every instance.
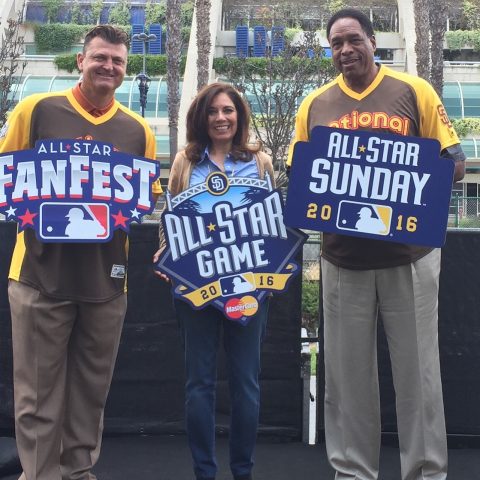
{"x":217,"y":140}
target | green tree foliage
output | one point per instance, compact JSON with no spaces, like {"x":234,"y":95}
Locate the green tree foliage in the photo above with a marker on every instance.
{"x":120,"y":13}
{"x":335,"y":5}
{"x":52,"y":7}
{"x":471,"y":14}
{"x":75,"y":13}
{"x":96,"y":9}
{"x":155,"y":12}
{"x":186,"y":10}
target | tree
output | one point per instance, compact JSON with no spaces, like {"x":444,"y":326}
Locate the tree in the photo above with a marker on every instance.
{"x":275,"y":90}
{"x":186,"y":12}
{"x":120,"y":13}
{"x":155,"y":12}
{"x":174,"y":50}
{"x":96,"y":9}
{"x":422,"y":32}
{"x":11,"y":68}
{"x":52,"y":7}
{"x":430,"y":28}
{"x":204,"y":43}
{"x":335,"y":5}
{"x":75,"y":12}
{"x":471,"y":13}
{"x":438,"y":27}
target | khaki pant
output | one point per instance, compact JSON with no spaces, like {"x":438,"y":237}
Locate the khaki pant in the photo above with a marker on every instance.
{"x":63,"y":358}
{"x":406,"y":298}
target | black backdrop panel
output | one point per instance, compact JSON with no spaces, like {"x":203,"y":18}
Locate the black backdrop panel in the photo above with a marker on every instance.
{"x":459,"y":332}
{"x":459,"y":340}
{"x":7,"y":239}
{"x":147,"y":388}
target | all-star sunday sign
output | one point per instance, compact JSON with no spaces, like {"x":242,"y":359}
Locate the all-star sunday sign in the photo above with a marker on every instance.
{"x":75,"y":190}
{"x":386,"y":187}
{"x":228,"y":245}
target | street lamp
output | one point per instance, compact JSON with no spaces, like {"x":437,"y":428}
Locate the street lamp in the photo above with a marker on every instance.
{"x":142,"y":79}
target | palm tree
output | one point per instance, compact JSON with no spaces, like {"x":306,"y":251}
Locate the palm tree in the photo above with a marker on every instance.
{"x":204,"y":44}
{"x":430,"y":27}
{"x":438,"y":27}
{"x":174,"y":49}
{"x":422,"y":43}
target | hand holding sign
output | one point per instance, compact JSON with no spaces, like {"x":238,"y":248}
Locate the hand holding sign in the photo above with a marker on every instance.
{"x":387,"y":187}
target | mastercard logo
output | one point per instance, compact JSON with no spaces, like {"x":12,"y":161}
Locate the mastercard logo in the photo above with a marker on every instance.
{"x":237,"y":308}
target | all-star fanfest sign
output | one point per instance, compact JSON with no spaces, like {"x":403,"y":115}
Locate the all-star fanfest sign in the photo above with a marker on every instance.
{"x":365,"y":184}
{"x":75,"y":190}
{"x":227,"y":244}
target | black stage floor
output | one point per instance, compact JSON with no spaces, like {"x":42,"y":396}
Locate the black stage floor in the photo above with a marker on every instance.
{"x":166,"y":457}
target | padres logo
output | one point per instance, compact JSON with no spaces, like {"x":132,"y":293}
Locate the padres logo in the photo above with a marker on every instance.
{"x":217,"y":183}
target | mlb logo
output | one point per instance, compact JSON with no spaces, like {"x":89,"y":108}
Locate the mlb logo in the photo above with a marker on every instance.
{"x":237,"y":284}
{"x":364,"y":217}
{"x":74,"y":222}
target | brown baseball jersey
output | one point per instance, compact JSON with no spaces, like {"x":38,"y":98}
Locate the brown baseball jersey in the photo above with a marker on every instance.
{"x":395,"y":103}
{"x":92,"y":272}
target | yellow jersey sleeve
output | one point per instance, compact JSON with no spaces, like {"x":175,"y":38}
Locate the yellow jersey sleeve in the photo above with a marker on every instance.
{"x":434,"y":121}
{"x":15,"y":134}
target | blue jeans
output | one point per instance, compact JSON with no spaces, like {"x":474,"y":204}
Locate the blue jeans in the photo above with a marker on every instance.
{"x":201,"y":333}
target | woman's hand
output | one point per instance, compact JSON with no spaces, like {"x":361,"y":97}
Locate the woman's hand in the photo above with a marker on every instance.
{"x":161,"y":275}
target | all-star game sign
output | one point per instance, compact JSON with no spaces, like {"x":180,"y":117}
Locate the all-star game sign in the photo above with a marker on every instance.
{"x":386,"y":187}
{"x":227,"y":245}
{"x":75,"y":190}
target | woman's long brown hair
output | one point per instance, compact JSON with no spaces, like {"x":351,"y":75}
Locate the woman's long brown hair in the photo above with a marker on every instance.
{"x":197,"y":123}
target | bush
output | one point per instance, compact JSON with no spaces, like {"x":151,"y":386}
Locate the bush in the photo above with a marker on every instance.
{"x":58,"y":37}
{"x":466,"y":126}
{"x":260,"y":66}
{"x":66,"y":62}
{"x":458,"y":39}
{"x":310,"y":304}
{"x":469,"y":222}
{"x":156,"y":65}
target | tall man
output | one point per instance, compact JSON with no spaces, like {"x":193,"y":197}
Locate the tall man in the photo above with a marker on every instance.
{"x":68,"y":301}
{"x":362,"y":278}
